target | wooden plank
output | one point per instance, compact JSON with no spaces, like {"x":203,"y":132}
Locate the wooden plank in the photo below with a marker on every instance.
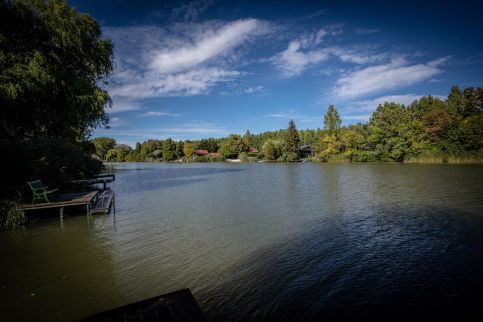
{"x":179,"y":306}
{"x":64,"y":200}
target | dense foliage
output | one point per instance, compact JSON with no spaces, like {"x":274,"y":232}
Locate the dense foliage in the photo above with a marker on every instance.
{"x":429,"y":129}
{"x":52,"y":62}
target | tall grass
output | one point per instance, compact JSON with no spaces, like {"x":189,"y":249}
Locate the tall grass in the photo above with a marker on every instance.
{"x":11,"y":215}
{"x":445,"y":157}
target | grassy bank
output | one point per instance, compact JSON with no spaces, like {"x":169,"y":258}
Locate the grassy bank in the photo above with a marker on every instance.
{"x":446,"y":157}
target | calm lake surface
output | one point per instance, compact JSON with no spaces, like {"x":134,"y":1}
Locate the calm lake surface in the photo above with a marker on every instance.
{"x":262,"y":242}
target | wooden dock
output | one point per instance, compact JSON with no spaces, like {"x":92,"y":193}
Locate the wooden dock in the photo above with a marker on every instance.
{"x":93,"y":201}
{"x":100,"y":178}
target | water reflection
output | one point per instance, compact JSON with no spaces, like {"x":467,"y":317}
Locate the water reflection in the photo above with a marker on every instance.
{"x":422,"y":266}
{"x":54,"y":270}
{"x":262,"y":242}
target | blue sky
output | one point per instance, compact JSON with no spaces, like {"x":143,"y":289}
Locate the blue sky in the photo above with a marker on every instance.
{"x":197,"y":69}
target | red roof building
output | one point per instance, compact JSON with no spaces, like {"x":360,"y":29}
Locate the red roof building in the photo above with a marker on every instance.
{"x":201,"y":152}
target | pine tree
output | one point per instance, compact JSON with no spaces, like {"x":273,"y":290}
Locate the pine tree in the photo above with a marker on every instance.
{"x":332,"y":121}
{"x":292,"y":140}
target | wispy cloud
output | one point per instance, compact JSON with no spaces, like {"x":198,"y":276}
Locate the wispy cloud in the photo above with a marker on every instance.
{"x":296,"y":116}
{"x":365,"y":31}
{"x":307,"y":51}
{"x":180,"y":60}
{"x":157,"y":113}
{"x":191,"y":10}
{"x":396,"y":74}
{"x":300,"y":52}
{"x":185,"y":130}
{"x":207,"y":46}
{"x":193,"y":82}
{"x":123,"y":104}
{"x":315,"y":14}
{"x":116,"y":121}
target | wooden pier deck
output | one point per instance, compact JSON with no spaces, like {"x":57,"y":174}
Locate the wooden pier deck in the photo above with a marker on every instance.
{"x":100,"y":178}
{"x":93,"y":201}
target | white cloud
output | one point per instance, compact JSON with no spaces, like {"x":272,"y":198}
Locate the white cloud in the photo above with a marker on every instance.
{"x":180,"y":60}
{"x":396,"y":74}
{"x":301,"y":53}
{"x":293,"y":61}
{"x":304,"y":52}
{"x":356,"y":55}
{"x":122,"y":104}
{"x":157,"y":113}
{"x":116,"y":121}
{"x":256,"y":89}
{"x":186,"y":130}
{"x":294,"y":115}
{"x":193,"y":82}
{"x":216,"y":43}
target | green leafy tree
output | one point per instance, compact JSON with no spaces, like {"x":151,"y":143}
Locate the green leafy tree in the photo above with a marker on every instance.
{"x":438,"y":124}
{"x":352,"y":142}
{"x":51,"y":64}
{"x":456,"y":101}
{"x":270,"y":151}
{"x":394,"y":133}
{"x":179,"y":149}
{"x":332,"y":121}
{"x":248,"y":139}
{"x":188,"y":149}
{"x":118,"y":153}
{"x":232,"y":146}
{"x":103,"y":145}
{"x":169,"y":150}
{"x":426,"y":104}
{"x":210,"y":144}
{"x":472,"y":132}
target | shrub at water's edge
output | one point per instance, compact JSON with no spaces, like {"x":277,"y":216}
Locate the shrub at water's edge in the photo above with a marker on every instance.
{"x":11,"y":215}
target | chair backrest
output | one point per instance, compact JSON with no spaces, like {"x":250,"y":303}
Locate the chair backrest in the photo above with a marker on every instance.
{"x":36,"y":185}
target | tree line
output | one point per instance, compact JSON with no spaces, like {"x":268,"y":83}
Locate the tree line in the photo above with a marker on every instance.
{"x":429,"y":129}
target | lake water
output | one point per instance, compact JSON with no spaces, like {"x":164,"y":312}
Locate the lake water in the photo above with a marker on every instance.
{"x":262,"y":242}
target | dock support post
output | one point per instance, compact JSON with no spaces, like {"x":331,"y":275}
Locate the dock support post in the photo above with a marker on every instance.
{"x":88,"y":209}
{"x":114,"y":202}
{"x":61,"y":212}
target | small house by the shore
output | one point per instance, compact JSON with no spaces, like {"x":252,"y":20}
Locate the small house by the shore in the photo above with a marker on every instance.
{"x":306,"y":151}
{"x":201,"y":152}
